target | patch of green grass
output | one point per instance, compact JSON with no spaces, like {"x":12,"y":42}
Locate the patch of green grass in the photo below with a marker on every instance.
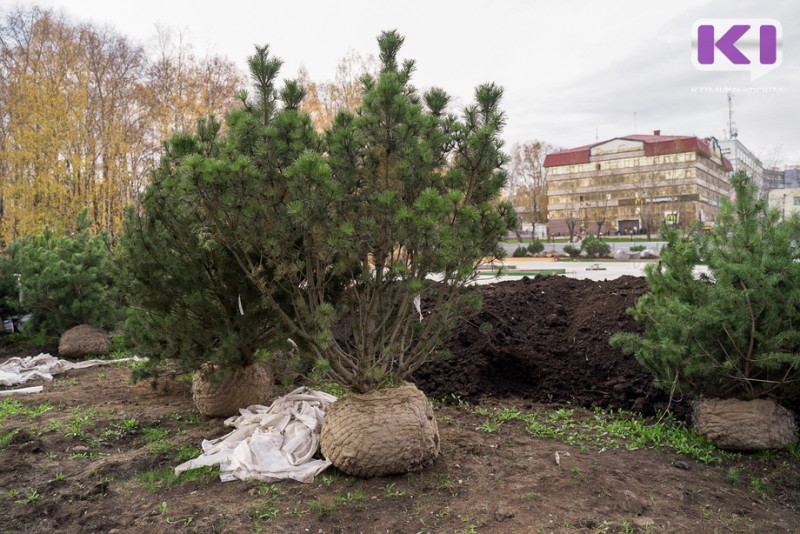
{"x":75,"y":424}
{"x":163,"y":478}
{"x":606,"y":430}
{"x":532,"y":496}
{"x":734,"y":476}
{"x":6,"y":437}
{"x":352,"y":497}
{"x":10,"y":407}
{"x":760,"y":487}
{"x":576,"y":474}
{"x":265,"y":512}
{"x":156,"y":439}
{"x":204,"y":475}
{"x":156,"y":480}
{"x":82,"y":455}
{"x":31,"y":497}
{"x":188,"y":452}
{"x":320,"y":507}
{"x":64,"y":382}
{"x":331,"y":388}
{"x":271,"y":491}
{"x":120,"y":429}
{"x":296,"y":510}
{"x":390,"y":491}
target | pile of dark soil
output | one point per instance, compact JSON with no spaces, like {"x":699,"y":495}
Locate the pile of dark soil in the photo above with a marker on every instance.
{"x":548,"y":342}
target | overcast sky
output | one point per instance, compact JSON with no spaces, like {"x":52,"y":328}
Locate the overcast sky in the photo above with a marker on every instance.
{"x":573,"y":71}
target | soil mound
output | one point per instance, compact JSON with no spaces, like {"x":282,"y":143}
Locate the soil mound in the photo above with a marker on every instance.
{"x":546,"y":339}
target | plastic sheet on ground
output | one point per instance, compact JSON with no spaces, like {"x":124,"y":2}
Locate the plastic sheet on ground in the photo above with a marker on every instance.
{"x":270,"y":443}
{"x":16,"y":371}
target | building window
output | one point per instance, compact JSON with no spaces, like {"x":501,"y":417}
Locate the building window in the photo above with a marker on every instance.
{"x":797,"y":201}
{"x":597,"y":167}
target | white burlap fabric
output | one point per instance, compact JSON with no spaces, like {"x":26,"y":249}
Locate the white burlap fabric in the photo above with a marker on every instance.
{"x":270,"y":443}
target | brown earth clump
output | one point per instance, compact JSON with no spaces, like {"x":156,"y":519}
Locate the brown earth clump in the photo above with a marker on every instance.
{"x":546,"y":340}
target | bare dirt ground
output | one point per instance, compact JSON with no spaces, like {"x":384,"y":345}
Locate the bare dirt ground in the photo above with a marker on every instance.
{"x":95,"y":453}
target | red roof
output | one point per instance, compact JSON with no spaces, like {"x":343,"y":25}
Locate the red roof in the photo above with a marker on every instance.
{"x":654,"y":145}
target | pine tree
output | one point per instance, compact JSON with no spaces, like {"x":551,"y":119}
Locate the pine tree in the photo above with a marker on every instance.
{"x":66,"y":279}
{"x":189,"y":299}
{"x":354,"y":229}
{"x":736,"y":331}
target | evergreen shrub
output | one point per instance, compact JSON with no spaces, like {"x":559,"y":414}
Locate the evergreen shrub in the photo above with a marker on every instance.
{"x":734,"y":332}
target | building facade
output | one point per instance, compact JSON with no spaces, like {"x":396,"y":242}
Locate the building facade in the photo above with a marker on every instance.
{"x":741,"y":158}
{"x":786,"y":200}
{"x":627,"y":185}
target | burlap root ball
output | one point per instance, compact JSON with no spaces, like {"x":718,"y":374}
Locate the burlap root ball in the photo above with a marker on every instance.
{"x":384,"y":432}
{"x":84,"y":340}
{"x":244,"y":387}
{"x":744,"y":425}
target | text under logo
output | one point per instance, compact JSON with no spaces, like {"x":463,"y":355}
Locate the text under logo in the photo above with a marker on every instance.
{"x":754,"y":45}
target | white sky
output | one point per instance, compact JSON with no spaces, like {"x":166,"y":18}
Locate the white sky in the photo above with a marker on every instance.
{"x":572,"y":70}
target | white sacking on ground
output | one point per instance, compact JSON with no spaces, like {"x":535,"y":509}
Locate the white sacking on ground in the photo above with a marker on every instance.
{"x":16,"y":371}
{"x":270,"y":443}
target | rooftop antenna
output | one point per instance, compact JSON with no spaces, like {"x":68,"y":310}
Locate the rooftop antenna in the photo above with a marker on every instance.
{"x":634,"y":122}
{"x":596,"y":134}
{"x":733,"y":133}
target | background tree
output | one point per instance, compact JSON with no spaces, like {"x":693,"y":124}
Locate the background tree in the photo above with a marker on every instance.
{"x":732,"y":333}
{"x":573,"y":214}
{"x":598,"y":212}
{"x":324,"y":100}
{"x":82,"y":116}
{"x":528,"y":180}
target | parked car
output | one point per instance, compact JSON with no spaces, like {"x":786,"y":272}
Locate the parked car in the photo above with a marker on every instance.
{"x":15,"y":323}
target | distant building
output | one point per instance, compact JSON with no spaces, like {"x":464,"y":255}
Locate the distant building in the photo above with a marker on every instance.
{"x":774,"y":179}
{"x":629,"y":184}
{"x":741,"y":158}
{"x":787,"y":200}
{"x":790,"y":177}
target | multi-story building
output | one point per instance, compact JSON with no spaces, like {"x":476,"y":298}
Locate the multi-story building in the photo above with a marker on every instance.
{"x":741,"y":158}
{"x":787,"y":200}
{"x":790,"y":177}
{"x":629,"y":184}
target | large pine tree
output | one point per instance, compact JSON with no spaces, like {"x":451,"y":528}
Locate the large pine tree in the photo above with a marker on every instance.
{"x":397,"y":205}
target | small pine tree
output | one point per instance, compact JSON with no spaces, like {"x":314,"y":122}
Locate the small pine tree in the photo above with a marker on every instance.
{"x":189,"y":300}
{"x":734,"y":332}
{"x":67,"y":280}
